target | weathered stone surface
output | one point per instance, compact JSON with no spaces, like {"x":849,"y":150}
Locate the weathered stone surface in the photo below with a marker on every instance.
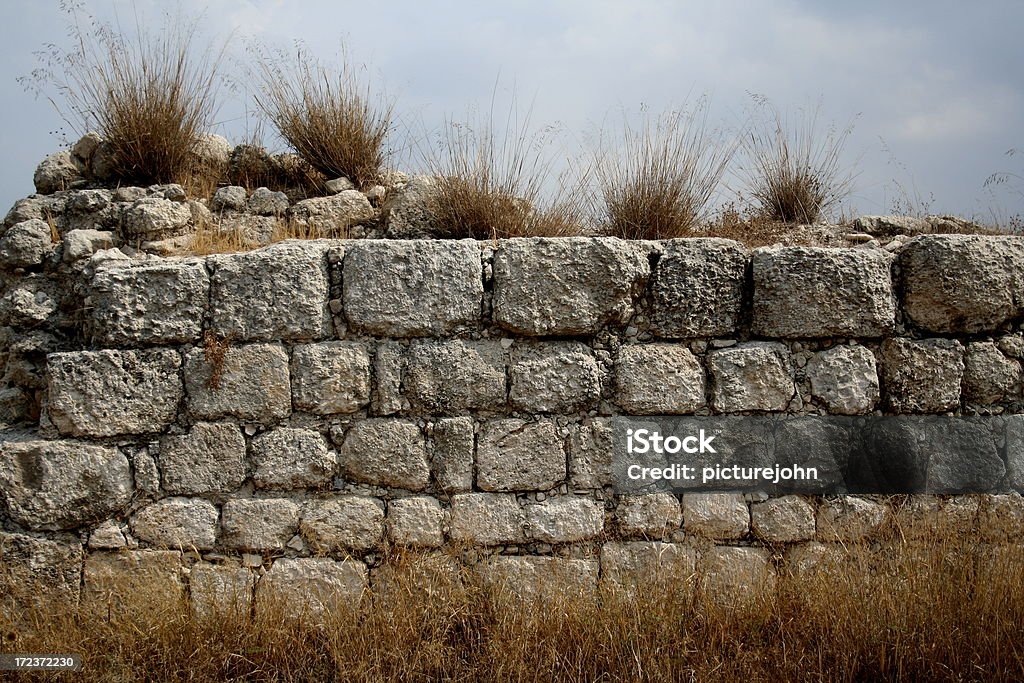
{"x":643,"y":565}
{"x":783,"y":520}
{"x":154,"y":218}
{"x":845,"y":379}
{"x":113,"y":580}
{"x":450,"y":377}
{"x":337,"y":185}
{"x":334,"y":215}
{"x":310,"y":586}
{"x":963,"y":456}
{"x":259,"y":524}
{"x":388,"y":363}
{"x":989,"y":376}
{"x":185,"y":523}
{"x":209,"y":459}
{"x":14,"y":405}
{"x":279,"y":292}
{"x":1015,"y":451}
{"x":451,"y":460}
{"x":83,"y":243}
{"x":30,"y":302}
{"x":697,"y":289}
{"x":330,"y":377}
{"x":108,"y":536}
{"x":590,"y":454}
{"x":735,"y":575}
{"x":107,"y":393}
{"x":38,"y":574}
{"x":290,"y":458}
{"x":416,"y":521}
{"x":220,"y":591}
{"x":653,"y":516}
{"x":890,"y":226}
{"x":567,"y":286}
{"x":251,"y":383}
{"x":531,"y":578}
{"x":149,"y":303}
{"x":962,"y":283}
{"x":658,"y":379}
{"x":412,"y":288}
{"x":230,"y":198}
{"x":565,"y":519}
{"x":211,"y":151}
{"x":515,"y":455}
{"x":716,"y":515}
{"x":385,"y":453}
{"x":408,"y":210}
{"x":922,"y":376}
{"x":848,"y":518}
{"x":342,"y":523}
{"x":1002,"y":518}
{"x":25,"y":244}
{"x":55,"y":173}
{"x":266,"y":202}
{"x":751,"y":376}
{"x":821,"y":292}
{"x":487,"y":519}
{"x":816,"y":559}
{"x":554,"y":377}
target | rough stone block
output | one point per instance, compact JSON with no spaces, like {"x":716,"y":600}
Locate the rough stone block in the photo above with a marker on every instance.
{"x":722,"y":516}
{"x":590,"y":454}
{"x":567,"y":286}
{"x":260,"y":524}
{"x":220,"y":591}
{"x":183,"y":523}
{"x":290,"y":458}
{"x":451,"y":461}
{"x":388,"y":363}
{"x":150,"y":577}
{"x":49,"y":485}
{"x":733,"y":576}
{"x":565,"y":519}
{"x":962,"y":283}
{"x":989,"y":376}
{"x":155,"y":218}
{"x":783,"y":520}
{"x":751,"y":376}
{"x":806,"y":292}
{"x":554,"y":377}
{"x":109,"y":393}
{"x":515,"y":455}
{"x":209,"y":459}
{"x":276,"y":293}
{"x":697,"y":289}
{"x":385,"y":453}
{"x":252,"y":384}
{"x":654,"y":516}
{"x":151,"y":303}
{"x":531,"y":578}
{"x":658,"y":379}
{"x":413,"y":288}
{"x":487,"y":519}
{"x":331,"y":377}
{"x":416,"y":521}
{"x":848,"y":518}
{"x":922,"y":376}
{"x":639,"y":566}
{"x":1015,"y":451}
{"x":342,"y":523}
{"x":845,"y":379}
{"x":333,"y":215}
{"x":311,"y":586}
{"x":26,"y":244}
{"x":450,"y":377}
{"x":108,"y":536}
{"x":39,"y":574}
{"x":1002,"y":518}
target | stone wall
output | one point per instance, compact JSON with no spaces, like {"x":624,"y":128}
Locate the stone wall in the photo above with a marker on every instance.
{"x":269,"y":422}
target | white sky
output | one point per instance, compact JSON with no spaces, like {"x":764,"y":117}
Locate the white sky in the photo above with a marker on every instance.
{"x":935,"y":89}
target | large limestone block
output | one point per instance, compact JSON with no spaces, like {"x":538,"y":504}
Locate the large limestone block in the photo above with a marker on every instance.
{"x":783,"y":520}
{"x":107,"y":393}
{"x":567,"y":286}
{"x":845,"y":378}
{"x":639,"y":566}
{"x":922,"y":376}
{"x":554,"y":377}
{"x":531,"y":578}
{"x":292,"y":458}
{"x":451,"y":461}
{"x":134,"y":579}
{"x":184,"y":523}
{"x":334,"y":215}
{"x":417,"y":521}
{"x":331,"y":525}
{"x":310,"y":586}
{"x":155,"y":218}
{"x":565,"y":519}
{"x":249,"y":382}
{"x":658,"y":379}
{"x":220,"y":591}
{"x":733,"y":576}
{"x":721,"y":516}
{"x":26,"y":244}
{"x":590,"y":454}
{"x":37,"y":574}
{"x":261,"y":524}
{"x":487,"y":519}
{"x":849,"y":518}
{"x":209,"y":459}
{"x":654,"y":515}
{"x":751,"y":376}
{"x":330,"y":377}
{"x":516,"y":455}
{"x":385,"y":452}
{"x":447,"y":378}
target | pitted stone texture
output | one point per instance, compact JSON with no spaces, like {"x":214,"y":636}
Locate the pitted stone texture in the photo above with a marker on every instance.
{"x":261,"y":524}
{"x":109,"y":393}
{"x":416,"y":521}
{"x":38,"y":573}
{"x":845,"y":378}
{"x":253,"y":384}
{"x":565,"y":519}
{"x":388,"y":363}
{"x":331,"y":377}
{"x":922,"y":376}
{"x":658,"y":379}
{"x":487,"y":519}
{"x":26,"y":244}
{"x":149,"y":303}
{"x":30,"y":303}
{"x":230,"y":198}
{"x":413,"y":288}
{"x":449,"y":377}
{"x":819,"y":292}
{"x":641,"y":565}
{"x":344,"y":523}
{"x":408,"y":209}
{"x":732,"y":576}
{"x":451,"y":460}
{"x":783,"y":520}
{"x":751,"y":376}
{"x":962,"y":283}
{"x":220,"y":591}
{"x":989,"y":376}
{"x":107,"y":536}
{"x":62,"y":484}
{"x":311,"y":586}
{"x":265,"y":202}
{"x":654,"y":516}
{"x":848,"y":518}
{"x":154,"y":218}
{"x":55,"y":173}
{"x":276,"y":293}
{"x":554,"y":377}
{"x":721,"y":516}
{"x":698,"y":288}
{"x":184,"y":523}
{"x":80,"y":244}
{"x":385,"y":453}
{"x":290,"y":458}
{"x":567,"y":286}
{"x":1015,"y":451}
{"x":113,"y":580}
{"x":590,"y":454}
{"x":334,"y":215}
{"x":209,"y":459}
{"x":530,"y":578}
{"x":515,"y":455}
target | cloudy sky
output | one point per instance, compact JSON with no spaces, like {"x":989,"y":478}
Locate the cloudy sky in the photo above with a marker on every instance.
{"x":934,"y":89}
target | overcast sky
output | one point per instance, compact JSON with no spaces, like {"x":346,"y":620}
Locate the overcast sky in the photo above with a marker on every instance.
{"x":935,"y":89}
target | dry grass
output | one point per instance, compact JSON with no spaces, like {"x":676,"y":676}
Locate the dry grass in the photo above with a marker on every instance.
{"x":328,"y":117}
{"x":656,"y":180}
{"x":941,"y":611}
{"x":218,"y":238}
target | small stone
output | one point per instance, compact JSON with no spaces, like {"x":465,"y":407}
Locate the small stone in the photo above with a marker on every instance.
{"x":231,"y":198}
{"x":339,"y":185}
{"x":265,"y":202}
{"x":26,"y":244}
